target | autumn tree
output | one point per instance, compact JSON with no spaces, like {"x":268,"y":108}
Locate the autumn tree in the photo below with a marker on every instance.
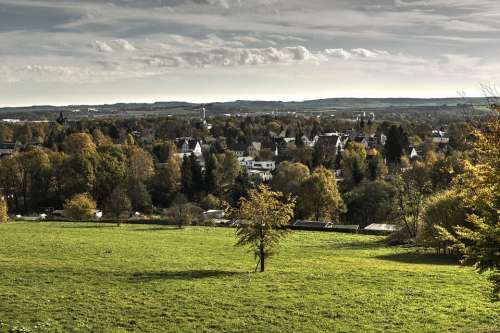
{"x":353,"y":163}
{"x":288,"y":177}
{"x":118,"y":205}
{"x":443,"y":212}
{"x":110,"y":170}
{"x":80,"y":206}
{"x":319,"y":196}
{"x":479,"y":186}
{"x":263,"y":217}
{"x":183,"y":212}
{"x":410,"y":198}
{"x":140,"y":170}
{"x":166,"y":180}
{"x":370,"y":202}
{"x":3,"y":211}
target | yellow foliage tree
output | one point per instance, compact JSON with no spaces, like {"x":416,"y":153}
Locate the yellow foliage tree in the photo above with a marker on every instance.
{"x":80,"y":207}
{"x":479,"y":186}
{"x":320,"y":197}
{"x":263,"y":217}
{"x":3,"y":211}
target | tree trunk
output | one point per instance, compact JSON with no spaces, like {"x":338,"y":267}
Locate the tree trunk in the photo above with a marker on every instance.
{"x":261,"y":254}
{"x":261,"y":251}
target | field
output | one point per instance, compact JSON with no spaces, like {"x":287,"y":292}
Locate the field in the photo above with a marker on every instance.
{"x":83,"y":277}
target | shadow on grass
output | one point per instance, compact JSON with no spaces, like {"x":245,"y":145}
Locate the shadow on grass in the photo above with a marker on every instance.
{"x":180,"y":275}
{"x":420,"y":258}
{"x":158,"y":229}
{"x":357,"y":245}
{"x":91,"y":226}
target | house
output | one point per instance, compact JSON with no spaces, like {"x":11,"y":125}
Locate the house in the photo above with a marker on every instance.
{"x":309,"y":142}
{"x":8,"y":148}
{"x":361,"y":140}
{"x":263,"y":175}
{"x":254,"y":149}
{"x":412,"y":151}
{"x":330,"y":143}
{"x":245,"y":161}
{"x":439,"y":137}
{"x":262,"y":165}
{"x":188,"y":146}
{"x":239,"y":149}
{"x":382,"y":139}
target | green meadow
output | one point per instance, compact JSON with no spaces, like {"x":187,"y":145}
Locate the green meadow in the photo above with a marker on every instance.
{"x":85,"y":277}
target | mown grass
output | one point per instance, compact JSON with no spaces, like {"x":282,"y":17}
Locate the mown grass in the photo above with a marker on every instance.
{"x":82,"y":277}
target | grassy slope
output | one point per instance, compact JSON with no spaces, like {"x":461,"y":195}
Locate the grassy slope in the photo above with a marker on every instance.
{"x":86,"y":277}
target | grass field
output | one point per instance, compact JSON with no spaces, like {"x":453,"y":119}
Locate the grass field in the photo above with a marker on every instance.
{"x":82,"y":277}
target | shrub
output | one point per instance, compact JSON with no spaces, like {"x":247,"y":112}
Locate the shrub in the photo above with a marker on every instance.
{"x":443,"y":211}
{"x":184,"y":213}
{"x":80,"y":206}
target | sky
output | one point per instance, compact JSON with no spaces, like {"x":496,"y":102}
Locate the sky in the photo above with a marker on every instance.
{"x":63,"y":52}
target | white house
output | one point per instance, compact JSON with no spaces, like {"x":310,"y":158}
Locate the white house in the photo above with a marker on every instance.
{"x":188,"y":146}
{"x":264,"y":175}
{"x":262,"y":165}
{"x":246,"y":161}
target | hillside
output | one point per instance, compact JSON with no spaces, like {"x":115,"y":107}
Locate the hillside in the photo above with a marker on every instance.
{"x":84,"y":277}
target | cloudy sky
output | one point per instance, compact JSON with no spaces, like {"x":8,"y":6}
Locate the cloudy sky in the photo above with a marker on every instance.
{"x":96,"y":51}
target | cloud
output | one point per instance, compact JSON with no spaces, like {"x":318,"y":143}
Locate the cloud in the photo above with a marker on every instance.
{"x":124,"y":45}
{"x":338,"y":53}
{"x":102,"y":46}
{"x":113,"y":45}
{"x":232,"y":57}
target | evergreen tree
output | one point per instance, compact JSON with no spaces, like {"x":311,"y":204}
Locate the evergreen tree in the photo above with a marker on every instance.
{"x":187,"y":177}
{"x":395,"y":144}
{"x":211,"y":184}
{"x":197,"y":180}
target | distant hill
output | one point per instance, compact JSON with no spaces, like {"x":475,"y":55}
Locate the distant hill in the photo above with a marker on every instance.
{"x":186,"y":108}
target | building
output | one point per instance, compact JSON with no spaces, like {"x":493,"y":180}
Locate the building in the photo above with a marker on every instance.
{"x":188,"y":146}
{"x":263,"y":175}
{"x":254,"y":149}
{"x":262,"y":165}
{"x":330,"y":143}
{"x":8,"y":147}
{"x":239,"y":149}
{"x":440,"y":137}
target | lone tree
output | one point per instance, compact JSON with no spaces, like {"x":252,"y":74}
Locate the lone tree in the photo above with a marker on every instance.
{"x":118,"y":205}
{"x":3,"y":210}
{"x":80,"y":207}
{"x":263,"y":217}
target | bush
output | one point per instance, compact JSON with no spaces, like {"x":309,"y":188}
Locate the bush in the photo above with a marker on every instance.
{"x":3,"y":211}
{"x":184,"y":214}
{"x":443,"y":211}
{"x":210,"y":201}
{"x":80,"y":207}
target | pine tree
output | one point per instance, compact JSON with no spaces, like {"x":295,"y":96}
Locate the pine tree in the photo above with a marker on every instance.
{"x":187,"y":177}
{"x":394,"y":144}
{"x":211,"y":175}
{"x":197,"y":180}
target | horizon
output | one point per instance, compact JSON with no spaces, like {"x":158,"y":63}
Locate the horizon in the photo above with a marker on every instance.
{"x":201,"y":102}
